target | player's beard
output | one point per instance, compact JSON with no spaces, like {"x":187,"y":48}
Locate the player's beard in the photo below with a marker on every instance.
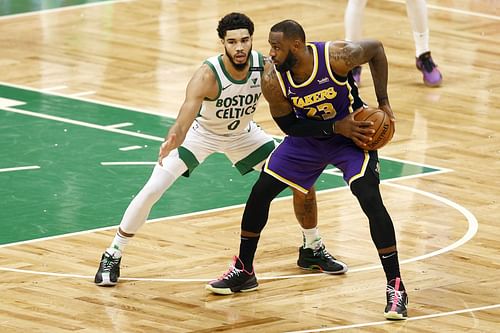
{"x":238,"y":67}
{"x":287,"y":65}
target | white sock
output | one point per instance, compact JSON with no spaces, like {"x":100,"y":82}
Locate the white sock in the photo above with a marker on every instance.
{"x":417,"y":13}
{"x":353,"y":19}
{"x":118,"y":245}
{"x":421,"y":42}
{"x":311,"y":238}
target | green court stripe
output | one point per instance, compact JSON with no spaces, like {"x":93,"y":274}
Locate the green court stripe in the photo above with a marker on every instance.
{"x":73,"y":191}
{"x":86,"y":111}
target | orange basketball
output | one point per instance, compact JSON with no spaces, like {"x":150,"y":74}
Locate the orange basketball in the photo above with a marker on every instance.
{"x":384,"y":128}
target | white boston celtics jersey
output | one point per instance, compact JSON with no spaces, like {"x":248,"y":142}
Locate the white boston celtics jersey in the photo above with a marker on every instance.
{"x":232,"y":111}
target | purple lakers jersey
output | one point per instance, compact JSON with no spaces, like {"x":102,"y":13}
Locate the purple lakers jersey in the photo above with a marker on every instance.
{"x":324,"y":95}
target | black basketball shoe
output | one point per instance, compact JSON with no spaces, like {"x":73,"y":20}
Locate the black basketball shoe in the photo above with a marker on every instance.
{"x":320,"y":260}
{"x":234,"y":280}
{"x":397,"y":300}
{"x":109,"y":270}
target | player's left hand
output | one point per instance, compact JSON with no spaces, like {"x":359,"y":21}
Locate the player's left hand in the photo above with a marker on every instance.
{"x":359,"y":131}
{"x":387,"y":109}
{"x":166,"y":147}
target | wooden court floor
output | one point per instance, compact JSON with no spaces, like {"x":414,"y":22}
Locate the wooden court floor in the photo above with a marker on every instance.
{"x":139,"y":55}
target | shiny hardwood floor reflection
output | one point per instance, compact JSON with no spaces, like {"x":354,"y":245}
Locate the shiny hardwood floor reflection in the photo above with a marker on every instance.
{"x":141,"y":54}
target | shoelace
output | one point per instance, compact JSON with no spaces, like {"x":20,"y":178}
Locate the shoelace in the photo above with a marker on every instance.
{"x":428,"y":64}
{"x":323,"y":253}
{"x":395,"y":293}
{"x":230,"y":273}
{"x":109,"y":262}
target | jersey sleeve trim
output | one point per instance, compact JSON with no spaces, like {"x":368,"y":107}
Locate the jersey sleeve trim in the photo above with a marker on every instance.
{"x":340,"y":80}
{"x":280,"y":80}
{"x":219,"y":84}
{"x":313,"y":74}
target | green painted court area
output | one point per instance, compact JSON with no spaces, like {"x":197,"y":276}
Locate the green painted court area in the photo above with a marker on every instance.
{"x":11,"y":7}
{"x":62,"y":169}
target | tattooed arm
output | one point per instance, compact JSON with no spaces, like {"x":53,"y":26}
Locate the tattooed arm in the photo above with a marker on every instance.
{"x":344,"y":56}
{"x":271,"y":88}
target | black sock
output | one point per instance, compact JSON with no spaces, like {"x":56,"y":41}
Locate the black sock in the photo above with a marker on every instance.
{"x":390,"y":263}
{"x":248,"y":246}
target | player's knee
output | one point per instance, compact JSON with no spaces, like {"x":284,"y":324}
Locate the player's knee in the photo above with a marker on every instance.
{"x":366,"y":191}
{"x":257,"y":207}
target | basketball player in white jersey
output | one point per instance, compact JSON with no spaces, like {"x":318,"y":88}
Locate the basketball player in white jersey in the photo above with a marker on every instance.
{"x":217,"y":116}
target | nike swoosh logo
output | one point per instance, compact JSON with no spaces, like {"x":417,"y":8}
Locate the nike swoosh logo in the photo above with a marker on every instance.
{"x":224,"y":88}
{"x":390,"y":255}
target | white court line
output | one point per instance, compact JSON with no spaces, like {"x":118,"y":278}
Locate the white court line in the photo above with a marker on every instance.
{"x":92,"y":101}
{"x":454,"y":10}
{"x":6,"y":102}
{"x":128,"y":163}
{"x":83,"y":123}
{"x":120,"y":125}
{"x":420,"y":175}
{"x":128,"y":148}
{"x":472,"y":230}
{"x":30,"y":167}
{"x":415,"y":163}
{"x":105,"y":128}
{"x":162,"y":219}
{"x":62,"y":9}
{"x":385,"y":322}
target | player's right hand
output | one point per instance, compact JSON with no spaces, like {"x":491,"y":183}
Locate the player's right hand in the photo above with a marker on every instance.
{"x":166,"y":147}
{"x":358,"y":131}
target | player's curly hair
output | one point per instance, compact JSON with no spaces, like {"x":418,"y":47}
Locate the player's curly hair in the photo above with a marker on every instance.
{"x":234,"y":21}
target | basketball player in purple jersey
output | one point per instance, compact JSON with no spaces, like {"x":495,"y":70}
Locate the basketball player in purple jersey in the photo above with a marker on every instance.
{"x":313,"y":100}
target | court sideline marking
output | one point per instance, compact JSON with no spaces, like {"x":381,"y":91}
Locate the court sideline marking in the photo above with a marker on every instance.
{"x":82,"y":123}
{"x":471,"y":231}
{"x":375,"y":323}
{"x":28,"y":167}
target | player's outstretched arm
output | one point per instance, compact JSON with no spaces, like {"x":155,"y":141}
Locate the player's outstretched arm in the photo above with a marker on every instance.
{"x":202,"y":85}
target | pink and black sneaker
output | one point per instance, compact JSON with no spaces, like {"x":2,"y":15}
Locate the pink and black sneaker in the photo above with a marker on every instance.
{"x":397,"y":300}
{"x":234,"y":280}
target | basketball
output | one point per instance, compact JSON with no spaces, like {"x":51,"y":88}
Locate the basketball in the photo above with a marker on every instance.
{"x":384,"y":128}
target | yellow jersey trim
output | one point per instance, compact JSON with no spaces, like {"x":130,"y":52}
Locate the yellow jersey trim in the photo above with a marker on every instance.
{"x":314,"y":72}
{"x":363,"y":168}
{"x":346,"y":82}
{"x":280,"y":80}
{"x":283,"y":180}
